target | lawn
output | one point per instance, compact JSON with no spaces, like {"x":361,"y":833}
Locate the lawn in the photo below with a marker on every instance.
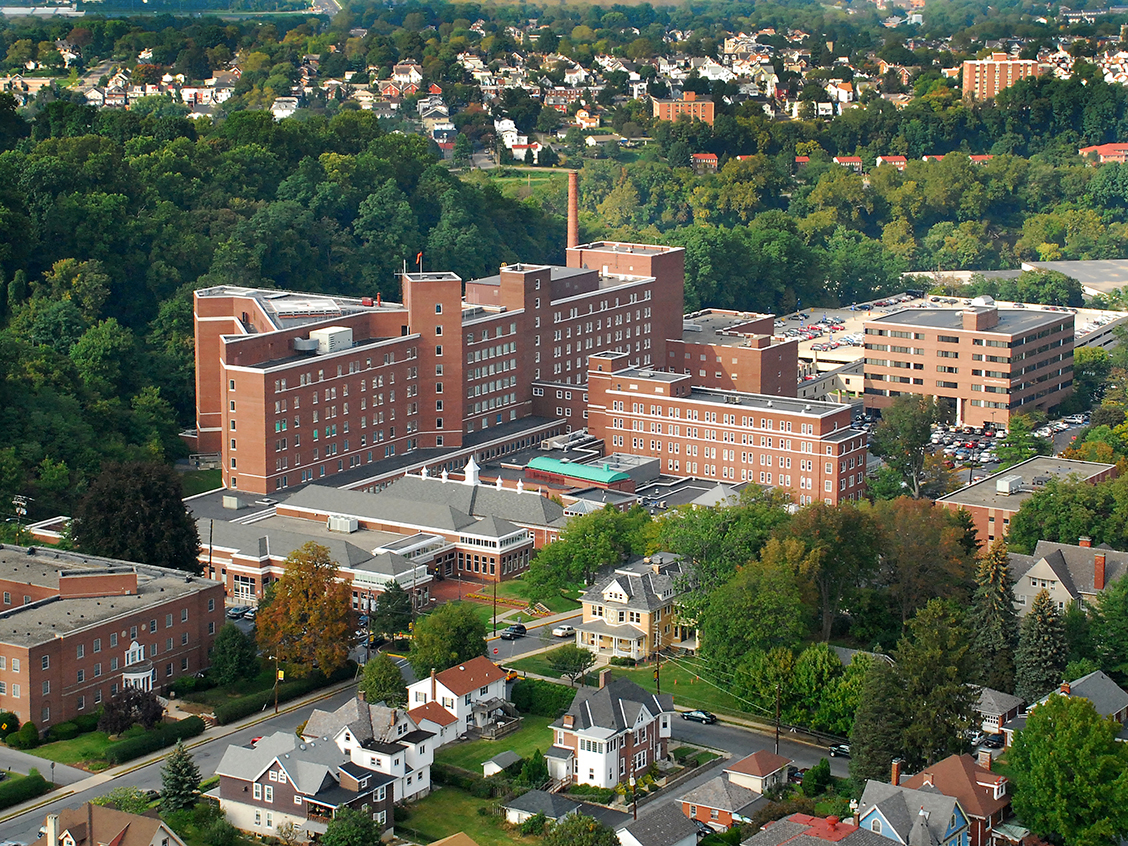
{"x":532,"y":735}
{"x":517,"y":589}
{"x":448,"y":811}
{"x":198,"y":481}
{"x":220,"y":695}
{"x":87,"y":751}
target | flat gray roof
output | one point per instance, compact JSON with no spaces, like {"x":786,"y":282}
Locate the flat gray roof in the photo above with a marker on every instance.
{"x":983,"y":494}
{"x":625,"y":247}
{"x":1011,"y":321}
{"x":717,"y":328}
{"x":767,"y":402}
{"x":1094,"y":276}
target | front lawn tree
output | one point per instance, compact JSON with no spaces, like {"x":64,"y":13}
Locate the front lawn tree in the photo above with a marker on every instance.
{"x":130,"y":706}
{"x":180,"y":780}
{"x":1041,"y":656}
{"x":234,"y":656}
{"x":1070,"y":774}
{"x":571,"y":661}
{"x":451,"y":635}
{"x":350,"y":827}
{"x":135,"y":512}
{"x":901,"y":438}
{"x":307,"y":622}
{"x":382,"y":681}
{"x":580,"y":830}
{"x":391,"y":612}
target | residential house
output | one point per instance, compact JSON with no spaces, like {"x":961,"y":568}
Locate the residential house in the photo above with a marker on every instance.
{"x":586,"y":120}
{"x":761,"y":771}
{"x":840,"y":92}
{"x":472,"y":692}
{"x":1104,"y":153}
{"x":667,"y":826}
{"x":284,"y":107}
{"x":407,"y":73}
{"x":704,"y":162}
{"x":609,"y":733}
{"x":914,"y":817}
{"x":631,"y":612}
{"x":721,"y":803}
{"x":1109,"y":698}
{"x":898,"y":162}
{"x":805,"y":830}
{"x":852,"y":162}
{"x":554,"y":807}
{"x":995,"y":708}
{"x":284,"y":780}
{"x":982,"y":794}
{"x":1072,"y":574}
{"x":434,"y":718}
{"x":94,"y":825}
{"x":386,"y":739}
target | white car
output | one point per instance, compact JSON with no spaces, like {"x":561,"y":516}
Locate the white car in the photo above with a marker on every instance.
{"x":563,"y":631}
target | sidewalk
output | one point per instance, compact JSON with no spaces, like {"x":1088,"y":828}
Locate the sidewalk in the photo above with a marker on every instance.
{"x":15,"y":760}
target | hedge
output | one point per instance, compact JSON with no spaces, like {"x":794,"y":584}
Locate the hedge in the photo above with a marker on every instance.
{"x":63,"y":731}
{"x":88,"y":722}
{"x":542,"y":698}
{"x":472,"y":783}
{"x":26,"y":738}
{"x":247,"y":705}
{"x":9,"y":723}
{"x":16,"y":790}
{"x":165,"y":734}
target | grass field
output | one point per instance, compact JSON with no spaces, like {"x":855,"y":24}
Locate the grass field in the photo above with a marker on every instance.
{"x":198,"y":481}
{"x":470,"y":756}
{"x":87,"y":751}
{"x":219,"y":695}
{"x":517,"y":589}
{"x":448,"y":811}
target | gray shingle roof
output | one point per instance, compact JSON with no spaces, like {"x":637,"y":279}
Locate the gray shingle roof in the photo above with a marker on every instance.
{"x":504,"y":759}
{"x":663,"y":827}
{"x":614,"y":707}
{"x":311,"y":766}
{"x":902,"y":806}
{"x":803,"y":830}
{"x":995,"y":702}
{"x":722,"y":794}
{"x":1074,"y":565}
{"x":644,"y":589}
{"x":552,"y":805}
{"x":366,"y":721}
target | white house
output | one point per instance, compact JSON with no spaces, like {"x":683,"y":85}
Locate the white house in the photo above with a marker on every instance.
{"x":470,"y":692}
{"x":434,"y":718}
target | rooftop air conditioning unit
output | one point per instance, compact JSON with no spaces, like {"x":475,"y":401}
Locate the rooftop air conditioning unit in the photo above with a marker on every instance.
{"x":339,"y":523}
{"x":1008,"y":485}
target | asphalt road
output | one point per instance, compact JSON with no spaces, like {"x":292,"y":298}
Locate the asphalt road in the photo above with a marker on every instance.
{"x":539,"y":637}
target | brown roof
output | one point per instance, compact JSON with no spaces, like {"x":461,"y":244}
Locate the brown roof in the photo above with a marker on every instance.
{"x":762,"y":763}
{"x":475,"y":673}
{"x":434,"y":712}
{"x":91,"y":824}
{"x":459,"y":839}
{"x":960,"y":777}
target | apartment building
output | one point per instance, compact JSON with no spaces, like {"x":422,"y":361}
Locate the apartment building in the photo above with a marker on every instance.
{"x":807,"y":448}
{"x":75,"y":629}
{"x":984,"y":78}
{"x":734,"y":351}
{"x":294,"y":387}
{"x":990,"y":363}
{"x":697,"y":108}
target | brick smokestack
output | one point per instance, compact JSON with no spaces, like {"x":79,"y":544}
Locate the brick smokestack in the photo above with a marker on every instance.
{"x":573,"y":209}
{"x":1099,"y":570}
{"x":985,"y":758}
{"x":1085,"y":541}
{"x":895,"y":778}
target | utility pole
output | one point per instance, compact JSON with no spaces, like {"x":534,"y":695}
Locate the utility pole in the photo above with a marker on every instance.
{"x":19,"y":503}
{"x":779,"y":686}
{"x":277,"y":678}
{"x":495,"y":605}
{"x":658,"y":658}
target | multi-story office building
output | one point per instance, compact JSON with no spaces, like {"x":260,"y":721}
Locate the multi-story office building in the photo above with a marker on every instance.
{"x":74,"y":630}
{"x":697,"y":108}
{"x":990,"y":363}
{"x":295,"y":387}
{"x":805,"y":447}
{"x":734,"y":351}
{"x":984,"y":78}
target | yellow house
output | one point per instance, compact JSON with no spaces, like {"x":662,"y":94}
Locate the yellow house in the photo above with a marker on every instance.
{"x":632,"y":611}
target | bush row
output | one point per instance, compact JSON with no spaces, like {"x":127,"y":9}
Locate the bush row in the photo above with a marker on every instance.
{"x":16,"y":790}
{"x":191,"y":684}
{"x":541,"y":698}
{"x":247,"y":705}
{"x":620,"y":661}
{"x":475,"y":785}
{"x":26,"y":738}
{"x":159,"y":737}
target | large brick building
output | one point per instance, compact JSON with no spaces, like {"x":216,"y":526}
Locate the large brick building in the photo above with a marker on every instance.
{"x":75,"y":629}
{"x":696,"y":108}
{"x":805,"y":447}
{"x":294,"y":387}
{"x":990,"y":363}
{"x":984,"y":78}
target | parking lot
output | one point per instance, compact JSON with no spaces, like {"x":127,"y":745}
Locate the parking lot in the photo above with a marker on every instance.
{"x":975,"y":446}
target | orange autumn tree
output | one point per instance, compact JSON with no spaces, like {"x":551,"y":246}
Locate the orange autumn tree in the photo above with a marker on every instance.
{"x":307,"y":621}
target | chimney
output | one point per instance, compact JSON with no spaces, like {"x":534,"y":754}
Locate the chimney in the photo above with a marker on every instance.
{"x":52,"y":835}
{"x":604,"y":677}
{"x":1065,"y":688}
{"x":1099,"y":570}
{"x":1085,"y":541}
{"x":895,"y":778}
{"x":434,"y":689}
{"x":361,"y":695}
{"x":573,"y":209}
{"x":985,"y":758}
{"x":831,"y":823}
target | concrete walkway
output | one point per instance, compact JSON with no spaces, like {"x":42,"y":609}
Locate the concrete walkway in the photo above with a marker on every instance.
{"x":15,"y":761}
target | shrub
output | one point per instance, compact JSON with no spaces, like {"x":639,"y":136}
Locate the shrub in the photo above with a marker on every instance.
{"x":817,"y":778}
{"x":619,"y":661}
{"x":400,"y":813}
{"x":542,"y":698}
{"x":87,"y":722}
{"x":63,"y":731}
{"x":26,"y":738}
{"x":9,"y":723}
{"x":15,"y":791}
{"x":534,"y":824}
{"x":159,"y":737}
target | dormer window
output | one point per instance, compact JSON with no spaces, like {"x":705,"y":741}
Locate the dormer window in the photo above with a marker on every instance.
{"x":875,"y":826}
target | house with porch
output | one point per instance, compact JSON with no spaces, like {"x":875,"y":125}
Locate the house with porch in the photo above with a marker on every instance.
{"x":473,"y":693}
{"x":631,"y":611}
{"x":720,"y":803}
{"x":609,"y":733}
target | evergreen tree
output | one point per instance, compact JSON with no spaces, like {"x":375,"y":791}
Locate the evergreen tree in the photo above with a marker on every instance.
{"x":1041,"y":655}
{"x":180,"y":780}
{"x":993,"y":621}
{"x":879,"y":726}
{"x":234,"y":656}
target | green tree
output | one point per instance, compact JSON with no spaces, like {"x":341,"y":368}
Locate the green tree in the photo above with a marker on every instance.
{"x":1070,"y":774}
{"x":350,"y":827}
{"x":308,"y":621}
{"x":992,"y":620}
{"x":580,"y":830}
{"x":391,"y":612}
{"x":1021,"y":443}
{"x":902,"y":436}
{"x":134,"y":511}
{"x":1041,"y":655}
{"x":130,"y":706}
{"x":1091,"y":369}
{"x":450,"y":635}
{"x":1109,"y":620}
{"x":571,"y":661}
{"x":180,"y":780}
{"x":382,"y":681}
{"x":877,"y":735}
{"x":534,"y":772}
{"x":234,"y":656}
{"x":131,"y":800}
{"x":462,"y":152}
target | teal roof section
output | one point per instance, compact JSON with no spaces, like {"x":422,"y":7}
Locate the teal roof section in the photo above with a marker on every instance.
{"x":600,"y":474}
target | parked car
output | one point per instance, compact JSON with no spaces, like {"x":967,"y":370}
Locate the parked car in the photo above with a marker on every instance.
{"x":995,"y":741}
{"x":699,"y":717}
{"x":795,"y":774}
{"x":236,"y":612}
{"x":250,"y":614}
{"x":564,"y":631}
{"x":840,"y":750}
{"x":703,"y":830}
{"x":513,"y":632}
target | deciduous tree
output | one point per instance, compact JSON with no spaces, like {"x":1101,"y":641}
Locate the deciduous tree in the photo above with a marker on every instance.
{"x":234,"y":656}
{"x":580,"y":830}
{"x":350,"y":827}
{"x":307,"y":623}
{"x":130,"y":706}
{"x":382,"y":681}
{"x":901,"y":438}
{"x":131,"y":800}
{"x":571,"y":661}
{"x":450,"y":635}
